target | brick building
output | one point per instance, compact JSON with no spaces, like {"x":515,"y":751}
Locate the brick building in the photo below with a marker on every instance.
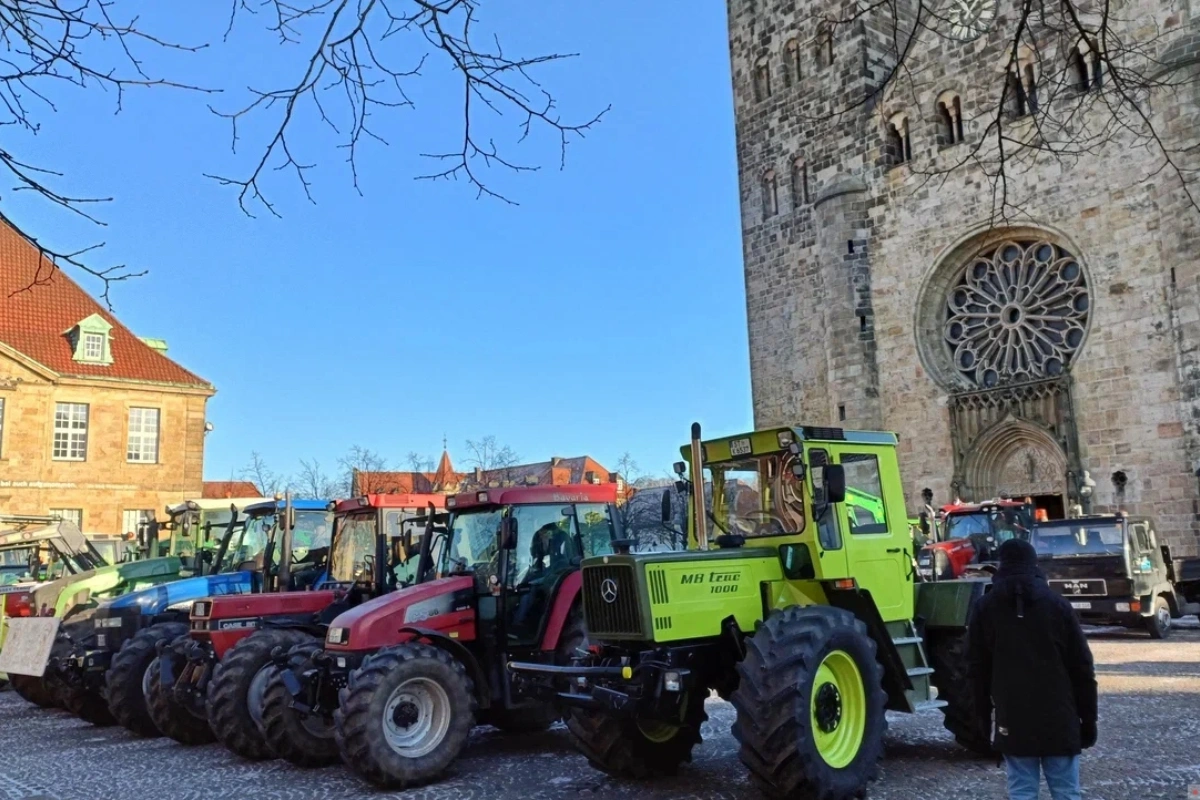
{"x":446,"y":480}
{"x":1056,"y":356}
{"x":96,"y":424}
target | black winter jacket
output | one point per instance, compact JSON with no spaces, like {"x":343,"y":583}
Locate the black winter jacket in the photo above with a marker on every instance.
{"x":1029,"y":660}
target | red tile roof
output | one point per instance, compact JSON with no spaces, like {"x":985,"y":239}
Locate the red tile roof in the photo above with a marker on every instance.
{"x":39,"y":303}
{"x":557,"y":472}
{"x":215,"y":490}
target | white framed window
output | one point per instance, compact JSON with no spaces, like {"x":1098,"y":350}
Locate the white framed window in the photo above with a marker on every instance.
{"x":132,"y":517}
{"x":143,"y":436}
{"x":74,"y":515}
{"x":70,"y":431}
{"x":93,"y":346}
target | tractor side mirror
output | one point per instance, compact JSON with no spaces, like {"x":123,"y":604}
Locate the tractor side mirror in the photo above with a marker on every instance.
{"x":207,"y":531}
{"x":568,"y":511}
{"x":508,"y":533}
{"x":680,"y":468}
{"x":834,"y":482}
{"x":668,"y":511}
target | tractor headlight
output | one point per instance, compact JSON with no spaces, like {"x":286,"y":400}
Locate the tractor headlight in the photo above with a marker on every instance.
{"x":672,"y":681}
{"x":201,"y":608}
{"x":107,"y":622}
{"x":338,"y":636}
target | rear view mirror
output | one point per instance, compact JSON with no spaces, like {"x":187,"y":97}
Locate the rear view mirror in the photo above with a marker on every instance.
{"x":568,"y":511}
{"x":508,"y":533}
{"x":834,"y":480}
{"x":668,"y":512}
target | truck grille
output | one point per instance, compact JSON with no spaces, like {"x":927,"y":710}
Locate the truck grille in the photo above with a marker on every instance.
{"x":610,"y":601}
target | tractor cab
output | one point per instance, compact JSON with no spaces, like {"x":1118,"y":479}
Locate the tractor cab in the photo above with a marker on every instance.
{"x":967,"y":536}
{"x":34,"y":549}
{"x":193,"y":531}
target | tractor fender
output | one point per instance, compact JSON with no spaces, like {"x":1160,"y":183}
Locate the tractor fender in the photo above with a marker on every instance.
{"x":564,"y":600}
{"x":483,"y":694}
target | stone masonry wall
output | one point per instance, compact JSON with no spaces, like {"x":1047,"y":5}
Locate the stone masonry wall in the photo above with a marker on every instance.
{"x":104,"y":485}
{"x":833,"y":275}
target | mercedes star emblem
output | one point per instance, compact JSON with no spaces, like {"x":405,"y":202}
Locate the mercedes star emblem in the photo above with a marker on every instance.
{"x":608,"y":590}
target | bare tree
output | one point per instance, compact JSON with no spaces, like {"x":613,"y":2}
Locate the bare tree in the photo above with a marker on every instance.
{"x":361,"y":467}
{"x":363,"y":56}
{"x":313,"y":482}
{"x":265,"y":480}
{"x":419,"y":463}
{"x":359,"y":59}
{"x":490,"y":456}
{"x":1075,"y":79}
{"x":627,"y":468}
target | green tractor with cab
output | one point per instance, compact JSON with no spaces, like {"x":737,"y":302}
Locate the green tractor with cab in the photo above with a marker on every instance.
{"x":807,"y":619}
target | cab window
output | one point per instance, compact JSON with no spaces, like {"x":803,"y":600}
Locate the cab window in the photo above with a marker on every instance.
{"x":1141,"y":539}
{"x":546,"y":542}
{"x":596,"y":530}
{"x":864,"y":494}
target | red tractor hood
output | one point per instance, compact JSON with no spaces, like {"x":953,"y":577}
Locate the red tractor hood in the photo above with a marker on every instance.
{"x":446,"y":605}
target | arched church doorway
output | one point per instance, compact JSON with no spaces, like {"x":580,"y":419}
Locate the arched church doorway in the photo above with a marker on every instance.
{"x":1018,"y":459}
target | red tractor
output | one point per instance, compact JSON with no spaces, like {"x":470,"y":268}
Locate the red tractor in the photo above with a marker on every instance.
{"x":403,"y":679}
{"x":967,"y":535}
{"x":209,"y":684}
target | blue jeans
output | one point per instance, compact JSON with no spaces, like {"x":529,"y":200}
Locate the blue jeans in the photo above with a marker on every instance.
{"x":1024,"y":775}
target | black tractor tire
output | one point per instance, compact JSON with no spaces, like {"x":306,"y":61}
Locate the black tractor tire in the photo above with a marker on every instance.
{"x":1158,"y":624}
{"x":87,"y":704}
{"x":539,"y":717}
{"x":127,"y":677}
{"x":305,"y":740}
{"x":235,"y":716}
{"x":172,"y":718}
{"x":436,"y":678}
{"x":781,"y":691}
{"x":948,"y":657}
{"x":33,"y":689}
{"x":622,"y":747}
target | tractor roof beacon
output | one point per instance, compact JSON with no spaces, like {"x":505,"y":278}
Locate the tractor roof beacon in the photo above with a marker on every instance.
{"x":214,"y":682}
{"x":407,"y":675}
{"x":807,"y":618}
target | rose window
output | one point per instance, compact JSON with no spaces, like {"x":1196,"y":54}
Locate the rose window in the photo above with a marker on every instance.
{"x":1017,"y":312}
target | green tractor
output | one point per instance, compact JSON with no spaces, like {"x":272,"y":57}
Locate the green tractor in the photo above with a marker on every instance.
{"x":808,"y":620}
{"x":178,"y":547}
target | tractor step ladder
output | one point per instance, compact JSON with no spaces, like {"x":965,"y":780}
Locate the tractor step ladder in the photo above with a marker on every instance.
{"x":912,"y":650}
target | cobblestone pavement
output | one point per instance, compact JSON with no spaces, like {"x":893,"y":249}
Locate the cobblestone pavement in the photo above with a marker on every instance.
{"x":1149,"y":735}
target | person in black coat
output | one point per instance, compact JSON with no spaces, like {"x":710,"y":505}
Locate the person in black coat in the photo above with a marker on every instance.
{"x":1030,"y":662}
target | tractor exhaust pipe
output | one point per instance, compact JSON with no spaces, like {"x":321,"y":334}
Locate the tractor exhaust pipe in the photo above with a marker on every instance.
{"x":700,"y":517}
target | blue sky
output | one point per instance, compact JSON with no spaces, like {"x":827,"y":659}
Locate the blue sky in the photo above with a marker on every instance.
{"x":603,"y":314}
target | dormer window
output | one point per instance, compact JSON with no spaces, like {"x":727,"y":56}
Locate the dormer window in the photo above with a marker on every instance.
{"x":91,"y":339}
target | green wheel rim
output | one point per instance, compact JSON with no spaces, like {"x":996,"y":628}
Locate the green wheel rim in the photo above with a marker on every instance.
{"x":657,"y":732}
{"x":839,"y":709}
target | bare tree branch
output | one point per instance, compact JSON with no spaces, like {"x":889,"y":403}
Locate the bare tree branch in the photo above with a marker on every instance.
{"x":363,"y":55}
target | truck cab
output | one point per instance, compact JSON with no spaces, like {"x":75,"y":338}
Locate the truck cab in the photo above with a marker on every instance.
{"x":1114,"y":571}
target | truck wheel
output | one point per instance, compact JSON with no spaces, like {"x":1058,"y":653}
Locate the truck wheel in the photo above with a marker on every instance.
{"x":33,"y":690}
{"x":305,"y":740}
{"x":810,"y":705}
{"x":235,"y":694}
{"x":128,"y":677}
{"x":172,"y":718}
{"x":630,"y":748}
{"x":1159,"y":623}
{"x":948,"y":657}
{"x":405,"y":715}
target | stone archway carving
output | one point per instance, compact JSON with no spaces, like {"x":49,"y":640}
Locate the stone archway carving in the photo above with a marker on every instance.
{"x":1016,"y":458}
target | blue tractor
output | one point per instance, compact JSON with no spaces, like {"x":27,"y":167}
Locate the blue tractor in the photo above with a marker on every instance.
{"x":103,"y":653}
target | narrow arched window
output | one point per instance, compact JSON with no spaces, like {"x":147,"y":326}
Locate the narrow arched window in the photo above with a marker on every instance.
{"x":799,"y":183}
{"x":1079,"y":70}
{"x":1085,"y":64}
{"x":1031,"y":96}
{"x":762,"y":79}
{"x":792,"y":72}
{"x":1016,"y":95}
{"x":824,"y":46}
{"x":770,"y":192}
{"x":949,"y":116}
{"x":899,"y":144}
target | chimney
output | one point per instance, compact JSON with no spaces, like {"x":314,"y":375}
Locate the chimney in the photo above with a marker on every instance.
{"x":555,"y":461}
{"x":479,"y":474}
